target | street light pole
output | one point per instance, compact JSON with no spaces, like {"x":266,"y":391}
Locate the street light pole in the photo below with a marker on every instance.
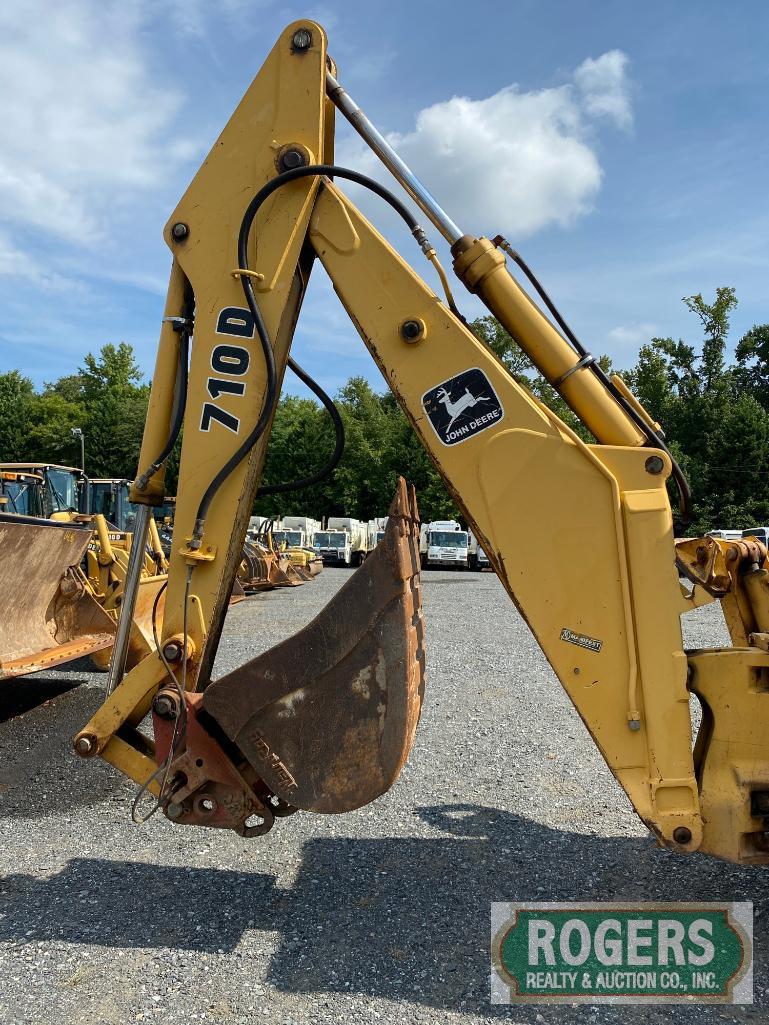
{"x":78,"y":433}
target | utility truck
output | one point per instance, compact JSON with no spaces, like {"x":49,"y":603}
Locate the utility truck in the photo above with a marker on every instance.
{"x":444,"y":543}
{"x":342,"y":543}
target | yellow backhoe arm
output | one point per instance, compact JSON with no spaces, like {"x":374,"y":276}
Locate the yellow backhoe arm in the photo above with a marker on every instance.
{"x":581,"y":535}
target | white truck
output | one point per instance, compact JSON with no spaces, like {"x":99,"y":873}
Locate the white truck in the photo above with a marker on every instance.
{"x":444,"y":543}
{"x":257,"y":523}
{"x":342,"y":542}
{"x":375,"y":532}
{"x":477,"y":558}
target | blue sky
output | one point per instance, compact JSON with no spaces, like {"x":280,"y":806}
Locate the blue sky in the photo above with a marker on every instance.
{"x":621,"y":147}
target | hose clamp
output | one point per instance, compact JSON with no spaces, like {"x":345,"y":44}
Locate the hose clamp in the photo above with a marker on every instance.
{"x":587,"y":360}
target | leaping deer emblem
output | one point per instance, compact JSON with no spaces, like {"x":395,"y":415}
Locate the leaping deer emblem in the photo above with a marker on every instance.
{"x":455,"y":409}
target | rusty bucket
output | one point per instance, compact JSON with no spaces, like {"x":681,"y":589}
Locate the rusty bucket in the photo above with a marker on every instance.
{"x":327,"y":717}
{"x":262,"y":569}
{"x":49,"y":615}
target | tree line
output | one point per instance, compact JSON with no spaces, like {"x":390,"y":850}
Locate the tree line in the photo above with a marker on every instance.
{"x":714,"y":409}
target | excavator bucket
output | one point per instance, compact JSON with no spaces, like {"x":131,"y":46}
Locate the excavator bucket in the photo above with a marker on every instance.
{"x":49,"y":614}
{"x":327,"y":718}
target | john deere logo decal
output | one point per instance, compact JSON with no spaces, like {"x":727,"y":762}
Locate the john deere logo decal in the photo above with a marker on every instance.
{"x":463,"y":406}
{"x":622,"y":953}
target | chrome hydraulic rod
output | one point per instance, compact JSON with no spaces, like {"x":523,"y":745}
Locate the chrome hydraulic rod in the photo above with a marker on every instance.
{"x":130,"y":590}
{"x":374,"y":138}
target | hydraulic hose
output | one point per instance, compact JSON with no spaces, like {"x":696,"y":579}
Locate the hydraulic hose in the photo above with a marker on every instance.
{"x":654,"y":437}
{"x":180,"y":392}
{"x":312,"y":170}
{"x":333,"y":462}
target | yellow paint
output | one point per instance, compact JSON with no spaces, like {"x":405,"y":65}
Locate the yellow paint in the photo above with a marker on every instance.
{"x":581,"y":536}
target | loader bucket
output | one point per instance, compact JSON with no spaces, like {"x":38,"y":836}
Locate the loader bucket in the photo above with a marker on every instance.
{"x":254,"y":572}
{"x":49,"y":614}
{"x":263,"y":569}
{"x":327,"y":717}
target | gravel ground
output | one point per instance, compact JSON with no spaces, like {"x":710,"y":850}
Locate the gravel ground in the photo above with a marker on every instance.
{"x":380,"y":915}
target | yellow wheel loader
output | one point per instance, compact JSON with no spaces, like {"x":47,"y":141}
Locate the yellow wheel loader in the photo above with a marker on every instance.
{"x":50,"y":614}
{"x":73,"y":565}
{"x":263,"y":568}
{"x":324,"y":721}
{"x":289,"y":541}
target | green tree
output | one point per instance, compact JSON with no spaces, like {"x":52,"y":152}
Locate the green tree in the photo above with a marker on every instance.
{"x":713,"y":414}
{"x":753,"y":361}
{"x":17,"y":397}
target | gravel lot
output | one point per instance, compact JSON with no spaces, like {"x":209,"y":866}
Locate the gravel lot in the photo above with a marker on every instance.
{"x":377,"y":916}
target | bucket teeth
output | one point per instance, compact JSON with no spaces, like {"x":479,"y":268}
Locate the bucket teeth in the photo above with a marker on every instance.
{"x":327,"y":717}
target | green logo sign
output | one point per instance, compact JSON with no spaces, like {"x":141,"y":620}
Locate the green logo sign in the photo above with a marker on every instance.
{"x":622,"y":953}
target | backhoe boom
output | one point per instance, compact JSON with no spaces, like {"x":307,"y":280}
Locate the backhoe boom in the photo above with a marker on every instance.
{"x":580,"y":535}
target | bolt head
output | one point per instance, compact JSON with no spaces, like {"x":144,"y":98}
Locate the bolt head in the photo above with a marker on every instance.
{"x":655,"y":464}
{"x":172,"y":651}
{"x":164,"y":707}
{"x":174,"y":810}
{"x":682,"y":835}
{"x":180,"y":231}
{"x":293,"y":158}
{"x":85,"y":746}
{"x":301,"y":40}
{"x":411,"y":330}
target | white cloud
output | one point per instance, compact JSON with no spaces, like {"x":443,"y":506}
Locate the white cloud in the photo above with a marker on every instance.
{"x":632,"y":335}
{"x":82,"y":124}
{"x":19,"y":265}
{"x":515,"y":161}
{"x":604,"y":89}
{"x":194,"y":17}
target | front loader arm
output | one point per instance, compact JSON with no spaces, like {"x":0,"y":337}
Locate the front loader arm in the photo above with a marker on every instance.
{"x":581,"y":535}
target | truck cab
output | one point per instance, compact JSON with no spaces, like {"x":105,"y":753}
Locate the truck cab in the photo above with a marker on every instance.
{"x":64,"y":488}
{"x":21,"y":494}
{"x":342,"y":543}
{"x":443,"y":543}
{"x":375,"y":530}
{"x":109,"y":496}
{"x":333,"y":546}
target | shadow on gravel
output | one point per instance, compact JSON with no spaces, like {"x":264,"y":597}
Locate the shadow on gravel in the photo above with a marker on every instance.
{"x":18,"y":696}
{"x":39,"y":772}
{"x":406,"y":919}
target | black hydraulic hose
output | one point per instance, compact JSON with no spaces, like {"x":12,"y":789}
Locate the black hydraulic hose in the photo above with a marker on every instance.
{"x":271,"y":387}
{"x":180,"y":392}
{"x":653,"y":436}
{"x":333,"y":462}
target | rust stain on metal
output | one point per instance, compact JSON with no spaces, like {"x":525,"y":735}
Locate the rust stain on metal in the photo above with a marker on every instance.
{"x":207,"y":788}
{"x":263,"y":569}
